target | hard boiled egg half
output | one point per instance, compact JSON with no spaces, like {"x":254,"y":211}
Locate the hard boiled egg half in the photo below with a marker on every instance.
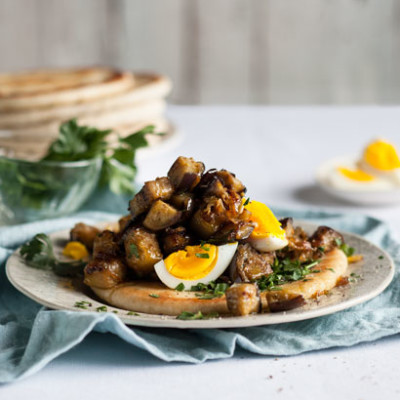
{"x":268,"y":234}
{"x":195,"y":264}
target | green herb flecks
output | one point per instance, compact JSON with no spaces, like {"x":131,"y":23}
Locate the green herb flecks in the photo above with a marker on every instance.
{"x":102,"y":309}
{"x":132,"y":313}
{"x":332,"y":270}
{"x":39,"y":253}
{"x":210,"y":291}
{"x":185,"y":315}
{"x":202,"y":255}
{"x":380,"y":257}
{"x":133,"y":250}
{"x":180,"y":287}
{"x":156,"y":296}
{"x":349,"y":251}
{"x":285,"y":271}
{"x":204,"y":246}
{"x":247,"y":201}
{"x":83,"y":304}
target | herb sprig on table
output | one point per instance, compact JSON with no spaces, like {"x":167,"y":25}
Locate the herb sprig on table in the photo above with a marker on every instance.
{"x":39,"y":253}
{"x":285,"y":271}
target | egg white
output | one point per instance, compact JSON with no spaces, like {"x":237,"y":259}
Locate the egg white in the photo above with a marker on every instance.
{"x":268,"y":243}
{"x":224,"y":257}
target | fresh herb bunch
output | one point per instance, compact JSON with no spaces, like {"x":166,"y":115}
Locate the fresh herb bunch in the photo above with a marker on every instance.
{"x":39,"y":253}
{"x":76,"y":143}
{"x":285,"y":271}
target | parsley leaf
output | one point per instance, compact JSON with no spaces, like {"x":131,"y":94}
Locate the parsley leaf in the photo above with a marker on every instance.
{"x":211,"y":290}
{"x":39,"y":253}
{"x":180,"y":287}
{"x":202,"y":255}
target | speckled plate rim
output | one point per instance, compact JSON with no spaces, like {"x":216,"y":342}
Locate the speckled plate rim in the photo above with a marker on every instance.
{"x":55,"y":292}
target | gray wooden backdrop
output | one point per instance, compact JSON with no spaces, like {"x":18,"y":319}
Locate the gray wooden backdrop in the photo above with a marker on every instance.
{"x":220,"y":51}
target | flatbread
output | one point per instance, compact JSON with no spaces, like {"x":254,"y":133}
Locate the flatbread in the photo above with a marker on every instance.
{"x":135,"y":296}
{"x":44,"y":88}
{"x":146,"y":88}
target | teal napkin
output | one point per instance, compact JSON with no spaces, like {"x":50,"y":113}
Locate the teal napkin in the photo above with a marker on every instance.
{"x":31,"y":336}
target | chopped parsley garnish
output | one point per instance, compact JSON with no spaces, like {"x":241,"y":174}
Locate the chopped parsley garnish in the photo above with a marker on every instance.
{"x":204,"y":246}
{"x":83,"y":304}
{"x":156,"y":296}
{"x":202,"y":255}
{"x":380,"y":257}
{"x":102,"y":309}
{"x":132,"y":313}
{"x":39,"y":253}
{"x":285,"y":271}
{"x":247,"y":201}
{"x":321,"y":249}
{"x":349,"y":251}
{"x":115,"y":311}
{"x":211,"y":290}
{"x":331,"y":269}
{"x":186,"y":315}
{"x":133,"y":250}
{"x":180,"y":287}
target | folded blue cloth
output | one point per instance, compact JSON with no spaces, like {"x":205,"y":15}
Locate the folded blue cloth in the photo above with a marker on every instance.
{"x":31,"y":336}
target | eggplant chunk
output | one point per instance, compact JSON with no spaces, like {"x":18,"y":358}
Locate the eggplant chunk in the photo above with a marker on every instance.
{"x":105,"y":245}
{"x":175,"y":239}
{"x":104,"y":273}
{"x":142,"y":251}
{"x":84,"y":234}
{"x":159,"y":189}
{"x":185,"y":173}
{"x":249,"y":264}
{"x":160,"y":216}
{"x":326,"y":238}
{"x":243,"y":299}
{"x":123,"y":222}
{"x":228,"y":180}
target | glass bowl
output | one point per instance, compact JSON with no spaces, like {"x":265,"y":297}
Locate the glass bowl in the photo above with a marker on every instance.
{"x":32,"y":191}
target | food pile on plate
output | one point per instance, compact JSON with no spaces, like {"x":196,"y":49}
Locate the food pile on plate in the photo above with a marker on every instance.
{"x":34,"y":104}
{"x":194,"y":243}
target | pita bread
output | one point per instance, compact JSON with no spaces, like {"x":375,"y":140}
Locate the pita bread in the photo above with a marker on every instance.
{"x":107,"y":120}
{"x":44,"y":88}
{"x":135,"y":296}
{"x":147,"y":87}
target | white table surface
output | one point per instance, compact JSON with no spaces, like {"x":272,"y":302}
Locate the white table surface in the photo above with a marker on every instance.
{"x":275,"y":152}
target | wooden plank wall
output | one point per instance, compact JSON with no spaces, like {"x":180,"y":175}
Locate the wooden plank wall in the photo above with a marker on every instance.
{"x":220,"y":51}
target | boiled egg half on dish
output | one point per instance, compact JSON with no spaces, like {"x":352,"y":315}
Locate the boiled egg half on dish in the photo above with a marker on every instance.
{"x":268,"y":234}
{"x":377,"y":169}
{"x":195,"y":264}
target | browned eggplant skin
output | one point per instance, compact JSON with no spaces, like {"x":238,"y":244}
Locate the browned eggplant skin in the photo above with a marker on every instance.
{"x":185,"y":174}
{"x":249,"y":264}
{"x":142,"y":251}
{"x":161,"y":216}
{"x":107,"y":268}
{"x":84,"y":234}
{"x":104,"y":273}
{"x":159,"y":189}
{"x":175,"y":239}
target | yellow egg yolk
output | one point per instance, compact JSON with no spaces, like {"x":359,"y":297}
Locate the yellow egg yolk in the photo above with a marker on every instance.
{"x":266,"y":222}
{"x":195,"y":262}
{"x":355,"y":174}
{"x":382,"y":156}
{"x":75,"y":250}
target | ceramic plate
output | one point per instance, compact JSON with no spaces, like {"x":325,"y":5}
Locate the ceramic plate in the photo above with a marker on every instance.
{"x":374,"y":273}
{"x":362,"y":197}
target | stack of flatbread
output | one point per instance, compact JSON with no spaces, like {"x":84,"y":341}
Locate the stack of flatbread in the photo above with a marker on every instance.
{"x":34,"y":104}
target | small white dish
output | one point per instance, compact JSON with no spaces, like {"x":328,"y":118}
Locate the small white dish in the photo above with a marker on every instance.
{"x":376,"y":271}
{"x":366,"y":197}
